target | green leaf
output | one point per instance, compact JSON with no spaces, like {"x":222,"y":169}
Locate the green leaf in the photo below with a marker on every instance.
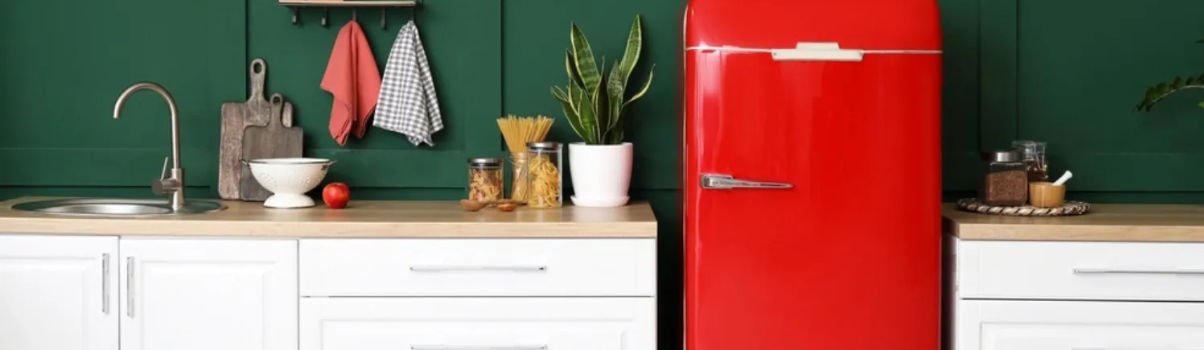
{"x":643,"y":90}
{"x":615,"y":88}
{"x":1156,"y":93}
{"x":570,"y":111}
{"x":585,"y":111}
{"x":1201,"y":105}
{"x":571,"y":69}
{"x":583,"y":60}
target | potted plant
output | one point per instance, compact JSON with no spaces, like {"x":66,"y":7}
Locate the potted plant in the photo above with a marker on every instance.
{"x":596,"y":109}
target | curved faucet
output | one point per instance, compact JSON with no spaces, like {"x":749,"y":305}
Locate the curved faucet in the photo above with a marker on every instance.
{"x":171,"y":183}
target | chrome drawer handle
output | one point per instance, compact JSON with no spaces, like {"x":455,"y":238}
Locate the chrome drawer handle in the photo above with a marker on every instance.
{"x":477,"y":347}
{"x":1104,"y":271}
{"x":104,"y":283}
{"x":129,"y":287}
{"x":727,"y":182}
{"x":468,"y":268}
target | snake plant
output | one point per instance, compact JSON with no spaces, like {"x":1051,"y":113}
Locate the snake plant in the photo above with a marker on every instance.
{"x":1158,"y":92}
{"x":595,"y":106}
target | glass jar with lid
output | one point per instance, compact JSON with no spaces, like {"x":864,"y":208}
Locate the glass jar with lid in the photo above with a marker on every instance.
{"x":1032,"y":153}
{"x":1006,"y":180}
{"x":484,"y":179}
{"x":545,"y":188}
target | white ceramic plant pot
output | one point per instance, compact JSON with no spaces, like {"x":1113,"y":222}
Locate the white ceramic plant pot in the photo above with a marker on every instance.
{"x":601,"y":174}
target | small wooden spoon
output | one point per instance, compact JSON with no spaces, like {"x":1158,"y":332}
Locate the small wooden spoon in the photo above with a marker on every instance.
{"x":471,"y":205}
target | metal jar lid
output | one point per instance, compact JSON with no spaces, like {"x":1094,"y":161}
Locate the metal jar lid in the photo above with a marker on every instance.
{"x":485,"y":162}
{"x":543,"y":146}
{"x":1004,"y":157}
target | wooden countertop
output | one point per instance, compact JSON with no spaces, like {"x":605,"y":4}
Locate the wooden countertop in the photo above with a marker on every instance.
{"x":362,"y":219}
{"x":1105,"y":222}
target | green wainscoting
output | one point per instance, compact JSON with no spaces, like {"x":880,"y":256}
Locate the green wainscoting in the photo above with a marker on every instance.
{"x":1068,"y":72}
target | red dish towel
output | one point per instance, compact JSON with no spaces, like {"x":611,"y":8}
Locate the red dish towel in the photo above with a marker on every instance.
{"x":352,"y":77}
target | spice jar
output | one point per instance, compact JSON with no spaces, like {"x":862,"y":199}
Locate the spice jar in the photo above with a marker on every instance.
{"x":544,"y":185}
{"x":1006,"y":180}
{"x":1033,"y":155}
{"x":484,"y":179}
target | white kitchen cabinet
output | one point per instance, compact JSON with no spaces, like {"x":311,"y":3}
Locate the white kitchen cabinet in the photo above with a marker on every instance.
{"x":185,"y":294}
{"x":58,"y":293}
{"x":478,"y":267}
{"x":1034,"y":295}
{"x":478,"y":324}
{"x":1079,"y":325}
{"x":1081,"y":270}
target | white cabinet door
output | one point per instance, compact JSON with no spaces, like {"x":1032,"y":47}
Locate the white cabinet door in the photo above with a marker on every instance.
{"x":1078,"y":325}
{"x":208,"y":294}
{"x":478,"y":324}
{"x":55,"y":293}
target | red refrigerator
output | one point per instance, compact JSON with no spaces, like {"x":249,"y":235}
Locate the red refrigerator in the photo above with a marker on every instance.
{"x":812,"y":174}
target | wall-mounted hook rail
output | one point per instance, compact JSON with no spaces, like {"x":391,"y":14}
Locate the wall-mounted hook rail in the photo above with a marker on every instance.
{"x":384,"y":5}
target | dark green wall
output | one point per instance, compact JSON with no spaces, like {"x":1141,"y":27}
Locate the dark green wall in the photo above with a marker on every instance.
{"x":1068,"y":72}
{"x":60,"y":73}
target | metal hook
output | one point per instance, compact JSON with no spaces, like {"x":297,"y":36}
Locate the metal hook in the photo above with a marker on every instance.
{"x":355,"y":14}
{"x":296,"y":15}
{"x":325,"y":16}
{"x":384,"y":18}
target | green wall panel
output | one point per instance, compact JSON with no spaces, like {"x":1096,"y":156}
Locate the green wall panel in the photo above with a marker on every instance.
{"x":463,"y":42}
{"x":1080,"y":80}
{"x":65,"y":62}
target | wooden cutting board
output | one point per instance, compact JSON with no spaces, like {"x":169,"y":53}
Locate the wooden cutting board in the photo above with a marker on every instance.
{"x":279,"y":139}
{"x":236,"y":117}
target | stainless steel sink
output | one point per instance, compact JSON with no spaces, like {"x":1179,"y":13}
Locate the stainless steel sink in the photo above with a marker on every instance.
{"x":117,"y":207}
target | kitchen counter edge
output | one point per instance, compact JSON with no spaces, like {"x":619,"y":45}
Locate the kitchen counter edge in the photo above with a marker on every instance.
{"x":363,"y":219}
{"x":1104,"y":223}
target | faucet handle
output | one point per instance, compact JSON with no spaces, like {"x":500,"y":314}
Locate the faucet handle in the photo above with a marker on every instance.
{"x":163,"y":184}
{"x":163,"y":173}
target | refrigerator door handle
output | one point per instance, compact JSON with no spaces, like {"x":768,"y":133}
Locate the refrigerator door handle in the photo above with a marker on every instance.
{"x":727,"y":182}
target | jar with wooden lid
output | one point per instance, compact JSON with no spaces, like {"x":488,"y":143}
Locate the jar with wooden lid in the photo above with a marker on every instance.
{"x":1006,"y":180}
{"x":484,"y":179}
{"x":545,"y":187}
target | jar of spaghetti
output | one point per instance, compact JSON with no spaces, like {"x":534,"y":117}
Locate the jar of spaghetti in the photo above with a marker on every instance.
{"x":544,"y":186}
{"x":484,"y":179}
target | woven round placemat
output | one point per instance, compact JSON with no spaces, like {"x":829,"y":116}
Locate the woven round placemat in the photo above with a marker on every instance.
{"x":1067,"y":209}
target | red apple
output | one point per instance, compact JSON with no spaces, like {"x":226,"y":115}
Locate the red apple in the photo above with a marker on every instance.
{"x":336,"y":195}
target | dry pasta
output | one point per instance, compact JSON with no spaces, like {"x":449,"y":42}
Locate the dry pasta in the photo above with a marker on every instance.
{"x":544,"y":177}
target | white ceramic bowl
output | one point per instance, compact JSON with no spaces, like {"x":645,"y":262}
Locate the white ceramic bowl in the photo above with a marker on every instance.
{"x":289,"y":179}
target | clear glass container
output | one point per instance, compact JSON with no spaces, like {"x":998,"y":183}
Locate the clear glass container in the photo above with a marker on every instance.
{"x":1006,"y":180}
{"x":1032,"y":153}
{"x":518,"y":187}
{"x":545,"y":188}
{"x":485,"y":179}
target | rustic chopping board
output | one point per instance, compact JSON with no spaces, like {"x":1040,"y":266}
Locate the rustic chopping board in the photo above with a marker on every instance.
{"x":279,"y":139}
{"x":236,"y":117}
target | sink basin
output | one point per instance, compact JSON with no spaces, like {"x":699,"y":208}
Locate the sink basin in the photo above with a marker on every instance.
{"x":116,"y":207}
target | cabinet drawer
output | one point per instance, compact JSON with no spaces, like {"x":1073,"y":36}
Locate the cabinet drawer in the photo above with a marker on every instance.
{"x":477,"y":323}
{"x":1080,"y":270}
{"x":478,"y":267}
{"x":1078,"y":325}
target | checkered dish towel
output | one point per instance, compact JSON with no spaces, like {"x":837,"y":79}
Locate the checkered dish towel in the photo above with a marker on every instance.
{"x":408,"y":104}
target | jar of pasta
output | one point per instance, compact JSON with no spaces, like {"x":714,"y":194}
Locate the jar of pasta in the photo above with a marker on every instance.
{"x":544,"y":185}
{"x":484,"y":179}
